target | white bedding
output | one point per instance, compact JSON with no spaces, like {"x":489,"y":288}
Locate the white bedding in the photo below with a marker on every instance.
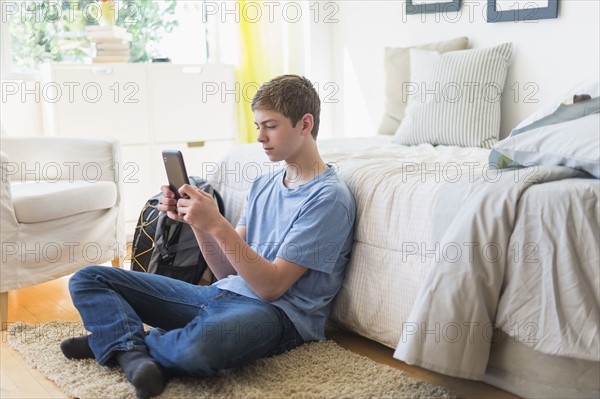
{"x":527,"y":279}
{"x":401,"y":195}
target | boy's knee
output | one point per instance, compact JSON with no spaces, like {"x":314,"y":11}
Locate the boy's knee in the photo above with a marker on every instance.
{"x":82,"y":277}
{"x":83,"y":274}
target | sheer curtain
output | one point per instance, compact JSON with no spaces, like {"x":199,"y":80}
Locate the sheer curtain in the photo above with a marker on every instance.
{"x":263,"y":39}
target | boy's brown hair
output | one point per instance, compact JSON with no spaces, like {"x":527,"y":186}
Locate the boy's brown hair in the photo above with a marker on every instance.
{"x":291,"y":95}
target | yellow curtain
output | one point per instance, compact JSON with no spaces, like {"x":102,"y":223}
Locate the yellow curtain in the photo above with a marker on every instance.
{"x":253,"y":71}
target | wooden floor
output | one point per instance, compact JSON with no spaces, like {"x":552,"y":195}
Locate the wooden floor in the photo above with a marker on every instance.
{"x":50,"y":301}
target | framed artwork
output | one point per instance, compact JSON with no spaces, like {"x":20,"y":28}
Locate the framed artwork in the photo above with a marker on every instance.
{"x":431,"y":6}
{"x":521,"y":10}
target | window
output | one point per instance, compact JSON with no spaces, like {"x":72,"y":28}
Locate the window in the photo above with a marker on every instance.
{"x":187,"y":42}
{"x":54,"y":31}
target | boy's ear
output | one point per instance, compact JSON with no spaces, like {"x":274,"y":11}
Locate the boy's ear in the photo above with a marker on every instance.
{"x":308,"y":122}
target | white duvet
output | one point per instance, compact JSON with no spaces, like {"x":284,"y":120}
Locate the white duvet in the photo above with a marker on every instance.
{"x":523,"y":259}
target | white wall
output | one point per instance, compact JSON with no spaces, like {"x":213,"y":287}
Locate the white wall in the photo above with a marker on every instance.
{"x":551,"y":55}
{"x":21,"y":108}
{"x":346,"y":41}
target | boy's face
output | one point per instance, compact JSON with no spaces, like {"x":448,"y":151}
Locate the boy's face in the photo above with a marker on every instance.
{"x":280,"y":140}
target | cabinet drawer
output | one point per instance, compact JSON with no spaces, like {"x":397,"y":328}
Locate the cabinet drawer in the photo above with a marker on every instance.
{"x":106,"y":100}
{"x":192,"y":103}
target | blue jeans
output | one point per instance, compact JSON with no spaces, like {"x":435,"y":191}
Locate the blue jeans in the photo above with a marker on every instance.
{"x":200,"y":330}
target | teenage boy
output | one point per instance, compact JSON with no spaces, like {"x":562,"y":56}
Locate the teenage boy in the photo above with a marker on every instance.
{"x":278,"y":270}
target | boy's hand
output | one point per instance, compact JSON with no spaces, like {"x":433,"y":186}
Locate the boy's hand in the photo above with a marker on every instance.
{"x":198,"y":209}
{"x":168,"y":203}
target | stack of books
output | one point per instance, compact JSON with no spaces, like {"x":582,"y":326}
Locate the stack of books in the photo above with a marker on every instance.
{"x":111,"y":43}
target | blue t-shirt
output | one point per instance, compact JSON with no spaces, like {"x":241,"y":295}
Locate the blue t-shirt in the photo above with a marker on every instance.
{"x":311,"y":225}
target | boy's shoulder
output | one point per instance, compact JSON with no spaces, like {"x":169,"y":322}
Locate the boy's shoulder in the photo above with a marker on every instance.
{"x":268,"y":177}
{"x":331,"y":186}
{"x":338,"y":186}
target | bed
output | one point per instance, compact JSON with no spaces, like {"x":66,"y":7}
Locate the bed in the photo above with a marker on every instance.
{"x":543,"y":330}
{"x":472,"y":268}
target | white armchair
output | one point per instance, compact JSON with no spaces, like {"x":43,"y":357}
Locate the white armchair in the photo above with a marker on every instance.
{"x":61,"y":209}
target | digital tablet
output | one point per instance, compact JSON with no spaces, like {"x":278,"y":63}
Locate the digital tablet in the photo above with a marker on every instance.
{"x":176,"y":172}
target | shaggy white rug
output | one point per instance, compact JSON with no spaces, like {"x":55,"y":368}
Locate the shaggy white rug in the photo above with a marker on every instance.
{"x":314,"y":370}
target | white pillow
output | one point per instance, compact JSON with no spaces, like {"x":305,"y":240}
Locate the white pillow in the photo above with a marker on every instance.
{"x":397,"y":71}
{"x":575,"y":144}
{"x":589,"y":86}
{"x":455,"y":97}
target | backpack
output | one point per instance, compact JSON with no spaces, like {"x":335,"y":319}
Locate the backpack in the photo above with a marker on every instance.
{"x":168,"y":247}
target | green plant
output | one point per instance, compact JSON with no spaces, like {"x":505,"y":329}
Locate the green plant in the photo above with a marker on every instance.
{"x":51,"y":31}
{"x":148,"y":22}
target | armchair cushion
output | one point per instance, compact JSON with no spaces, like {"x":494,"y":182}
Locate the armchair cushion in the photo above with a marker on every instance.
{"x":42,"y":201}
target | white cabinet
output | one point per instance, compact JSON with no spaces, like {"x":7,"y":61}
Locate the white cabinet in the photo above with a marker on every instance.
{"x":200,"y":91}
{"x":199,"y":161}
{"x":148,"y":108}
{"x":139,"y":183}
{"x":92,"y":101}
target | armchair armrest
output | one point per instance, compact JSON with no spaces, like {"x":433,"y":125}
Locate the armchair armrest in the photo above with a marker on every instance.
{"x":9,"y":227}
{"x":59,"y":158}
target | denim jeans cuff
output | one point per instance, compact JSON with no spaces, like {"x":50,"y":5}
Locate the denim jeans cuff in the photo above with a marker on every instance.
{"x":109,"y":359}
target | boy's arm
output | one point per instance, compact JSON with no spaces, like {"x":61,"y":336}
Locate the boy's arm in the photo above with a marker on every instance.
{"x":214,"y":256}
{"x":269,"y":280}
{"x":211,"y":251}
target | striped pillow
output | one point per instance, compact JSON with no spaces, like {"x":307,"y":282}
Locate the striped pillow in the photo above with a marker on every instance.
{"x":454,"y":98}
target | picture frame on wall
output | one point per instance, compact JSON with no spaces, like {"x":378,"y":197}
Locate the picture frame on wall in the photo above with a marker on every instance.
{"x":530,"y":10}
{"x":431,"y":6}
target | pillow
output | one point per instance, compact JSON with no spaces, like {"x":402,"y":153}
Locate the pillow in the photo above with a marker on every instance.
{"x":455,"y":97}
{"x":564,"y":113}
{"x":589,"y":86}
{"x":397,"y":71}
{"x":575,"y":143}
